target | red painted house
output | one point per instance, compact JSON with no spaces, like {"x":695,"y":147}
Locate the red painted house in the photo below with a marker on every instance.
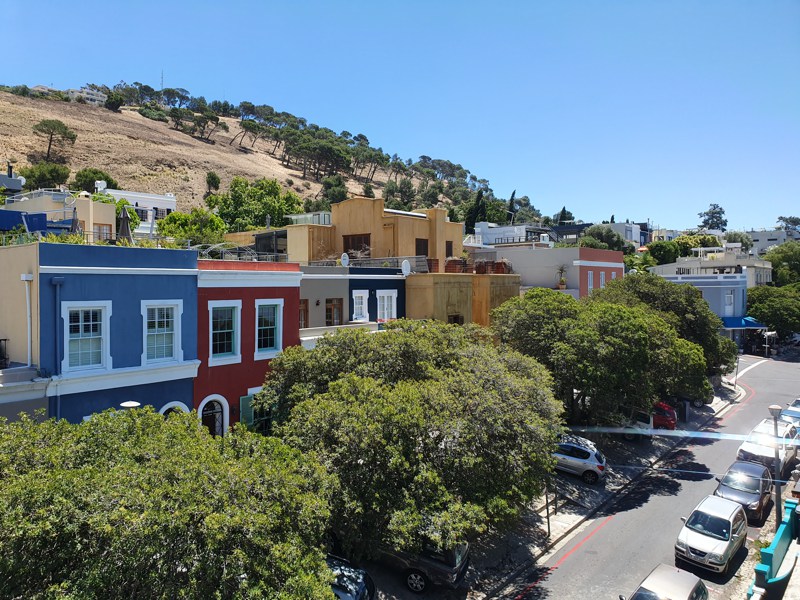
{"x":246,"y":314}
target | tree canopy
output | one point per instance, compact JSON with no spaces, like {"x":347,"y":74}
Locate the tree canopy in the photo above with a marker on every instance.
{"x":713,"y":218}
{"x":44,"y":175}
{"x":198,"y":227}
{"x":56,"y":132}
{"x":777,"y":308}
{"x":86,"y":178}
{"x":130,"y":504}
{"x":739,"y":237}
{"x":785,"y":260}
{"x":246,"y":205}
{"x":431,"y":431}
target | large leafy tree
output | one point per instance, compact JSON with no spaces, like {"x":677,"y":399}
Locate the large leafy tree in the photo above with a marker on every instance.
{"x":56,"y":132}
{"x":664,"y":252}
{"x":777,"y":308}
{"x":86,"y":178}
{"x":431,"y":430}
{"x":785,"y":261}
{"x":686,"y":243}
{"x":739,"y":237}
{"x":608,"y":238}
{"x":683,"y":307}
{"x":713,"y":218}
{"x":789,"y":222}
{"x":198,"y":227}
{"x":44,"y":175}
{"x":247,"y":205}
{"x":130,"y":504}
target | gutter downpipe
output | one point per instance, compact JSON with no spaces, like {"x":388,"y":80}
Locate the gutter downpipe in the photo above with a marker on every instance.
{"x":58,"y":282}
{"x":27,"y":278}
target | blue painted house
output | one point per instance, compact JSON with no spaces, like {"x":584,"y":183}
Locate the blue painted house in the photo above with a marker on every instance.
{"x":105,"y":325}
{"x":376,"y":294}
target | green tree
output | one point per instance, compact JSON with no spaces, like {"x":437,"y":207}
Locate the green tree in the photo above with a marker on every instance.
{"x":44,"y":175}
{"x":563,"y":217}
{"x":114,"y":101}
{"x":789,"y":222}
{"x":713,"y":218}
{"x":334,"y":189}
{"x":56,"y":132}
{"x":785,"y":260}
{"x":85,"y":179}
{"x":212,"y":181}
{"x":430,"y":430}
{"x":246,"y":205}
{"x":368,"y":191}
{"x":664,"y":252}
{"x":777,"y":308}
{"x":739,"y":237}
{"x":85,"y":506}
{"x":609,"y":238}
{"x":683,"y":307}
{"x":405,"y":190}
{"x":180,"y":117}
{"x":198,"y":227}
{"x":686,"y":243}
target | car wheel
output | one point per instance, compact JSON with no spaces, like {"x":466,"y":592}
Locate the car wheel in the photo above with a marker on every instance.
{"x":590,"y":477}
{"x":416,"y":581}
{"x":698,"y":403}
{"x":631,"y":437}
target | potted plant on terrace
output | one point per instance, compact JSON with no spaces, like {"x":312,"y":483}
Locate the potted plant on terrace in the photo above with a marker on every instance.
{"x":562,"y":280}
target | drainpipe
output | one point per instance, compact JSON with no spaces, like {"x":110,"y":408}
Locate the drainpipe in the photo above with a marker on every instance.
{"x":58,"y":282}
{"x":27,"y":278}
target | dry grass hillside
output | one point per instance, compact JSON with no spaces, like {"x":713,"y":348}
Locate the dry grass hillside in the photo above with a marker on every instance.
{"x":141,"y":154}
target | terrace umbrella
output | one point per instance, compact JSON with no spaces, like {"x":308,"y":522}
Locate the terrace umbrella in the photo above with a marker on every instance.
{"x":124,"y":232}
{"x":75,"y":225}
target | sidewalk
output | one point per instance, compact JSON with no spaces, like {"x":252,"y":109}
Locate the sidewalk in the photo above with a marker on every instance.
{"x":498,"y":559}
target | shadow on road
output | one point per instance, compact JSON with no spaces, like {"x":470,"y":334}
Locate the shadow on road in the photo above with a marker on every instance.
{"x":531,"y":588}
{"x":680,"y":464}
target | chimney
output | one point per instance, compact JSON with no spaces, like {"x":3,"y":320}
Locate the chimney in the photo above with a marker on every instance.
{"x":10,"y":170}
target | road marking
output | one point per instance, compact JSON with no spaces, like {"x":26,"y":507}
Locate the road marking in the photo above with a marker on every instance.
{"x":753,"y":366}
{"x":563,"y":558}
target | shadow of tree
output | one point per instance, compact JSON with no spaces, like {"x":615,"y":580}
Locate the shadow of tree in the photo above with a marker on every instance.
{"x":680,"y":465}
{"x":531,"y":587}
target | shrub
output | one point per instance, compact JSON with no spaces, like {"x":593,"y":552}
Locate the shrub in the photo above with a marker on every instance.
{"x":154,"y":114}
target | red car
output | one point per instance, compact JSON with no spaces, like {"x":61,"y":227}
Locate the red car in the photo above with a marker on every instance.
{"x":664,"y":416}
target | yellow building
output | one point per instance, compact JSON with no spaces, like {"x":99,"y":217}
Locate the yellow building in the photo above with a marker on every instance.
{"x":365,"y":227}
{"x":98,"y":220}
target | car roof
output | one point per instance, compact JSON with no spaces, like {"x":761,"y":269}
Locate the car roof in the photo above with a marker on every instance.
{"x":576,"y":440}
{"x":748,"y":468}
{"x":768,"y":426}
{"x":718,"y":507}
{"x":670,"y":582}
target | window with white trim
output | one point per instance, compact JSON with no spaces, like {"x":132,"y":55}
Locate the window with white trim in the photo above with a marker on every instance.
{"x":590,"y":284}
{"x":162,"y":330}
{"x":224,"y":332}
{"x":387,"y":305}
{"x":86,"y":335}
{"x":602,"y":279}
{"x":360,"y":312}
{"x":613,"y":274}
{"x":269,"y":330}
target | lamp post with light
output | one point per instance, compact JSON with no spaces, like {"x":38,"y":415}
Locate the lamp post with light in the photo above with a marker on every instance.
{"x":775,"y":411}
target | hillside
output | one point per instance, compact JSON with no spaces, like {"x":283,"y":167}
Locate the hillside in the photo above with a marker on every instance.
{"x":142,"y":154}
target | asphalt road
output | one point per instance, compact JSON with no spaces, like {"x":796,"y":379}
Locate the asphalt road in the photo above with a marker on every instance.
{"x":616,"y":549}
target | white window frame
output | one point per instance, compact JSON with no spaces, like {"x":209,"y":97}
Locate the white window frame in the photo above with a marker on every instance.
{"x":105,"y":324}
{"x":364,"y":295}
{"x":228,"y":359}
{"x":267,"y":354}
{"x":602,"y":279}
{"x":387,"y":294}
{"x":613,"y":274}
{"x":590,"y":280}
{"x":177,"y":342}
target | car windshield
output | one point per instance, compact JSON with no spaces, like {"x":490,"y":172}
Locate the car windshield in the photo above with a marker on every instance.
{"x":741,"y":481}
{"x":645,"y":594}
{"x":709,"y":525}
{"x":762,"y":439}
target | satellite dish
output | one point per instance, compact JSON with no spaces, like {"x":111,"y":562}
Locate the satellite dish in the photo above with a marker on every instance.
{"x":405,"y":267}
{"x":345,"y":259}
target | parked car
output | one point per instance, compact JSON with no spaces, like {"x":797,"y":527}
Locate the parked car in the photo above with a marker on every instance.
{"x":640,"y":426}
{"x":664,"y":416}
{"x":749,"y":484}
{"x":429,"y":567}
{"x":666,"y":581}
{"x":351,"y":583}
{"x":712,"y":535}
{"x":791,"y":414}
{"x":581,"y":457}
{"x":760,"y":446}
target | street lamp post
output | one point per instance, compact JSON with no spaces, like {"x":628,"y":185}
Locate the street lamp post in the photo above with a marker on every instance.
{"x":775,"y":411}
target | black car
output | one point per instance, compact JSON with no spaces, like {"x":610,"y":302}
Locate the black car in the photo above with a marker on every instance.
{"x":749,"y":484}
{"x":350,"y":583}
{"x":430,"y":566}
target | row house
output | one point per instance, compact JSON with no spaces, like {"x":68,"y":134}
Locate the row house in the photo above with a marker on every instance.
{"x":97,"y":327}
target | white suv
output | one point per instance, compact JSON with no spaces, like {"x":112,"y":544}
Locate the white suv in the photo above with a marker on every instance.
{"x":712,"y":535}
{"x":760,"y":446}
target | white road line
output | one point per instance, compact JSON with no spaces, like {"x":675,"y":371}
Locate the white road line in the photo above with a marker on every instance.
{"x":761,"y":362}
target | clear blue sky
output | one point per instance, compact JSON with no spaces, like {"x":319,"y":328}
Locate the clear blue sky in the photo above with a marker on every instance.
{"x":641,"y":109}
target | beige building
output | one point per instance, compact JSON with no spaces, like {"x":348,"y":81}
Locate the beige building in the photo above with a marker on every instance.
{"x":98,"y":220}
{"x":726,"y":260}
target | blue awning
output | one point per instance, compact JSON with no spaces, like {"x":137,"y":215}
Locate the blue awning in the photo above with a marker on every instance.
{"x":741,"y":323}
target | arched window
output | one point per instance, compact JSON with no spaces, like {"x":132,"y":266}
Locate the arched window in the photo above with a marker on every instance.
{"x":213,"y":417}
